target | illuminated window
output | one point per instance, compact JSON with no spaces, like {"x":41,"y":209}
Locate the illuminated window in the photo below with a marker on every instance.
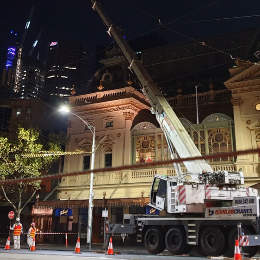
{"x":162,"y":148}
{"x":145,"y":149}
{"x":18,"y":111}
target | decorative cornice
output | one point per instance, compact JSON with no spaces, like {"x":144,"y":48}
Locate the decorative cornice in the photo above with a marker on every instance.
{"x":247,"y":78}
{"x":236,"y":101}
{"x":128,"y":115}
{"x":105,"y":107}
{"x":108,"y":118}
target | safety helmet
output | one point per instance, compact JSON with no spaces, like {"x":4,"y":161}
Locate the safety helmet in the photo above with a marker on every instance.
{"x":17,"y":220}
{"x":33,"y":224}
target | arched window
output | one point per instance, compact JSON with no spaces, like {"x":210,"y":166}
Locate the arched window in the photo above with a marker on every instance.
{"x":145,"y":149}
{"x":219,"y":141}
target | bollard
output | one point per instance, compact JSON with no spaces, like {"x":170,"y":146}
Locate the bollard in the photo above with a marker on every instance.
{"x":66,"y":236}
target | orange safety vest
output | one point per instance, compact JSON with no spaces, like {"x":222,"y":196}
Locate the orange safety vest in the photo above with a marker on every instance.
{"x":33,"y":230}
{"x":17,"y":230}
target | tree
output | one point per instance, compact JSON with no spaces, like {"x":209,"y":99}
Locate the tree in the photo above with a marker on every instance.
{"x":17,"y":161}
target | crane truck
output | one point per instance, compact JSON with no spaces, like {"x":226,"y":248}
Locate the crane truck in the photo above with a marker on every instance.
{"x":201,"y":212}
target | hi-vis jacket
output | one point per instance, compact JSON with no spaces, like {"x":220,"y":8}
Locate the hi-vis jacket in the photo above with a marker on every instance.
{"x":32,"y":232}
{"x":17,"y":229}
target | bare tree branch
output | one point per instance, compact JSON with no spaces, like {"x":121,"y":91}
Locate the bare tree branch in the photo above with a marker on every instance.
{"x":8,"y":198}
{"x":28,"y":200}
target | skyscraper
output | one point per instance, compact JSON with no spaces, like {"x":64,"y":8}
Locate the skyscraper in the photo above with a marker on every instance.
{"x":67,"y":69}
{"x":31,"y":78}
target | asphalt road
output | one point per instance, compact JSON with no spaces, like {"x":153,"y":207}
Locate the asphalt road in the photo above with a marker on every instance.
{"x":60,"y":251}
{"x":24,"y":254}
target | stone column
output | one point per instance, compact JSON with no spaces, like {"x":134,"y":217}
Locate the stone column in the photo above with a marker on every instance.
{"x":240,"y":138}
{"x":127,"y":142}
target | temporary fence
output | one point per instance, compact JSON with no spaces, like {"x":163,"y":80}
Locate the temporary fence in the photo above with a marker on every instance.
{"x":45,"y":233}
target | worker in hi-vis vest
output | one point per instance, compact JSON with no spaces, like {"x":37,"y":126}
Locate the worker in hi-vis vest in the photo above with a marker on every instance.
{"x":18,"y":230}
{"x":31,"y":235}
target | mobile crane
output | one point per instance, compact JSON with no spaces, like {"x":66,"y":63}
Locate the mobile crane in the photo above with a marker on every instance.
{"x":202,"y":212}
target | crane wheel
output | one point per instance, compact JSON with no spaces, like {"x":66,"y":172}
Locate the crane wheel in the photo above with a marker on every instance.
{"x":175,"y":240}
{"x":250,"y":251}
{"x":212,"y":241}
{"x":154,"y":240}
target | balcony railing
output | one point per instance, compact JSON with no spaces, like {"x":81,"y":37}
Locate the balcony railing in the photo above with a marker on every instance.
{"x":131,"y":176}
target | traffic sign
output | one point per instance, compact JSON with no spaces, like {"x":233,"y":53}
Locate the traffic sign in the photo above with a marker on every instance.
{"x":11,"y":215}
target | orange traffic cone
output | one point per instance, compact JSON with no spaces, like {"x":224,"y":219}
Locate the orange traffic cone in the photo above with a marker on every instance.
{"x":110,"y":247}
{"x":237,"y":255}
{"x":33,"y":245}
{"x":77,"y":248}
{"x":7,"y":245}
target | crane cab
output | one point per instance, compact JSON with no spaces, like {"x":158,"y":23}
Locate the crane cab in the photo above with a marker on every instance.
{"x":159,"y":191}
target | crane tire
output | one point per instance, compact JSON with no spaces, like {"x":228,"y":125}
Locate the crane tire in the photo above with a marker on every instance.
{"x":199,"y":250}
{"x":250,"y":251}
{"x":175,"y":240}
{"x":212,"y":241}
{"x":154,"y":240}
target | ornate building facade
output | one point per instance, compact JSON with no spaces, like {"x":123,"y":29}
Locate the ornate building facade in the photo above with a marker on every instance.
{"x":128,"y":134}
{"x":244,"y":85}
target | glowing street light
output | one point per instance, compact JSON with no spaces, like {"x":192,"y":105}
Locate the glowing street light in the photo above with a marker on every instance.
{"x":65,"y":109}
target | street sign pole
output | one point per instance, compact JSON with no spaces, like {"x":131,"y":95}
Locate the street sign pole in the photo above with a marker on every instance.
{"x":10,"y":216}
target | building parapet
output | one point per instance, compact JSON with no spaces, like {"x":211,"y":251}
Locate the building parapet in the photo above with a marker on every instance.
{"x":107,"y":95}
{"x":211,"y":95}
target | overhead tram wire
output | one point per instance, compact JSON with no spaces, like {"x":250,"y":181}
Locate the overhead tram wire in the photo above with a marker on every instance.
{"x":224,"y":18}
{"x":161,"y":25}
{"x":182,"y":34}
{"x":182,"y":76}
{"x":165,"y":26}
{"x":199,"y":9}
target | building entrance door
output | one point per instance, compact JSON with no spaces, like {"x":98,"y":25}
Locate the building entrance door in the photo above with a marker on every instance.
{"x":98,"y":226}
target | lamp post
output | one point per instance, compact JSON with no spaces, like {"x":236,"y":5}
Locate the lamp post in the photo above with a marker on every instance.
{"x":90,"y":204}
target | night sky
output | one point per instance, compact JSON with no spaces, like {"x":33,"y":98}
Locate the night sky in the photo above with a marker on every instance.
{"x":76,"y":20}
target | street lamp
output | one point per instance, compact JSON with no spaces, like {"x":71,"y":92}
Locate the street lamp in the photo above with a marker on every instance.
{"x":90,"y":204}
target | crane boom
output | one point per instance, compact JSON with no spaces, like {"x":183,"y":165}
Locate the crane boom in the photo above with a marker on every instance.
{"x":19,"y":53}
{"x":35,"y":43}
{"x":176,"y":134}
{"x":27,"y":25}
